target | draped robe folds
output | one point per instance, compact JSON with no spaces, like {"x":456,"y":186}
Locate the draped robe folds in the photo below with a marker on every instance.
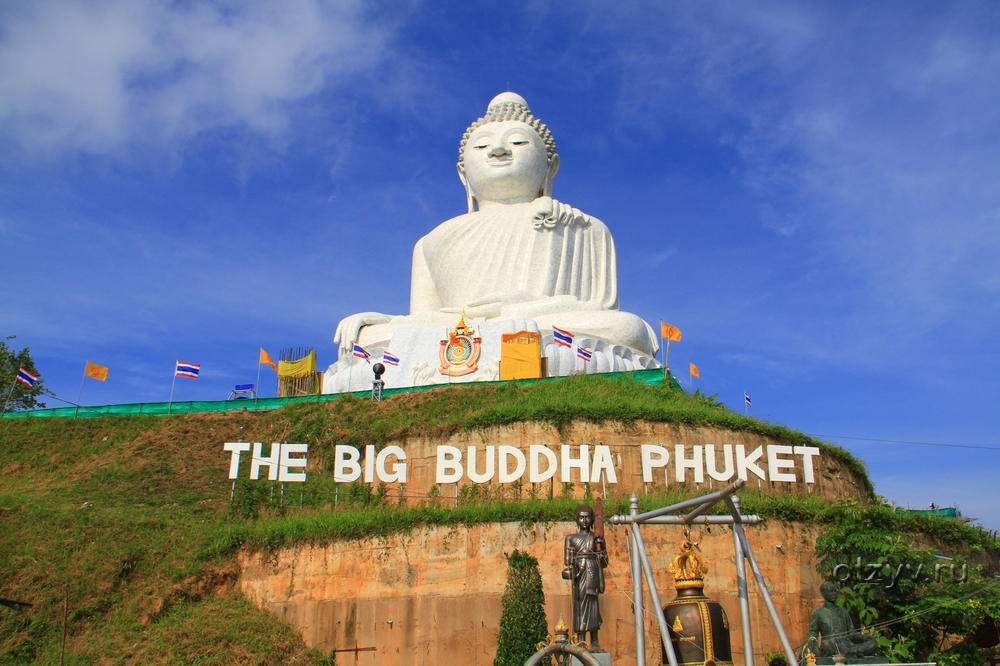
{"x":499,"y":250}
{"x":541,"y":260}
{"x":588,"y":579}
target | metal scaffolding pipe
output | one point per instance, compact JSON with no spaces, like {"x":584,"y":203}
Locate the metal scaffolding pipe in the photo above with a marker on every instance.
{"x":702,"y":520}
{"x":654,"y":595}
{"x":762,"y":585}
{"x":640,"y":624}
{"x":741,"y":583}
{"x":709,"y":499}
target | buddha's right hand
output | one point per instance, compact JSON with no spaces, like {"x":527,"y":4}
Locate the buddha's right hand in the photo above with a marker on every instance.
{"x":349,"y":328}
{"x":491,"y":305}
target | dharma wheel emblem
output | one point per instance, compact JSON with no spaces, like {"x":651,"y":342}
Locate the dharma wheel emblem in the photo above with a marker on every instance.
{"x":459,"y":352}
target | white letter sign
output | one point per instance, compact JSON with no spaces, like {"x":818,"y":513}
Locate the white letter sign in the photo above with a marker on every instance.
{"x":234,"y":461}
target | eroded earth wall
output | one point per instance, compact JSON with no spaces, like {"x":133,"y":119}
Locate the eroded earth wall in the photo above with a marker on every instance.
{"x":432,"y":596}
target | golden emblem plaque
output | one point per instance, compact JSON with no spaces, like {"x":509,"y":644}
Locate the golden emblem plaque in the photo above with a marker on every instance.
{"x":459,"y":352}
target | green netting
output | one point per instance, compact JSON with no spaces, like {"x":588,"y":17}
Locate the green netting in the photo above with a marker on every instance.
{"x":947,"y":512}
{"x":194,"y":407}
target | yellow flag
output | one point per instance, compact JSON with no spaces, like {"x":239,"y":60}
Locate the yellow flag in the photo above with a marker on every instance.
{"x":668,"y":332}
{"x":96,"y":371}
{"x":265,"y":358}
{"x":693,"y":369}
{"x":300,"y":368}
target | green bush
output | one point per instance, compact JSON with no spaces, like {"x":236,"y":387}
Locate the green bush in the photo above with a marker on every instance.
{"x":522,"y":623}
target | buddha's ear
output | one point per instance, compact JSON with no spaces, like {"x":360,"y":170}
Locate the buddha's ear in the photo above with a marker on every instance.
{"x":470,"y":198}
{"x":550,"y":176}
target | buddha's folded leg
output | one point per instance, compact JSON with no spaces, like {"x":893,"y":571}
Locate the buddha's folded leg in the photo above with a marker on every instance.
{"x":612,"y":326}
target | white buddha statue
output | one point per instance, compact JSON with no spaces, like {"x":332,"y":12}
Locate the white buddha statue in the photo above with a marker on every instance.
{"x":517,"y":253}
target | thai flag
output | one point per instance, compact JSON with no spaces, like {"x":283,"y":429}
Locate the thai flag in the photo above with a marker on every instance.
{"x":389,"y":358}
{"x":584,"y":353}
{"x":361,"y":352}
{"x":26,"y":377}
{"x":185,"y":369}
{"x":746,"y":399}
{"x":561,"y":337}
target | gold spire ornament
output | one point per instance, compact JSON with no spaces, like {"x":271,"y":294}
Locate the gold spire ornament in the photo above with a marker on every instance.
{"x":688,"y":567}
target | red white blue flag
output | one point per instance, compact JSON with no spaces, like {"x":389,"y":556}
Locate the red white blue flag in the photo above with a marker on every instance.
{"x":584,"y":353}
{"x":26,"y":377}
{"x":746,"y":399}
{"x":185,"y":369}
{"x":361,"y":352}
{"x":561,"y":337}
{"x":390,"y":359}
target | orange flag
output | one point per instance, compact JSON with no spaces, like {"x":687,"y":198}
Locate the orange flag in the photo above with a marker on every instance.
{"x":693,"y":369}
{"x":96,"y":371}
{"x":668,"y":332}
{"x":266,"y":358}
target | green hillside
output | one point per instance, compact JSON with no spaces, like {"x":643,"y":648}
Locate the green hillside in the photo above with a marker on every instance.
{"x":129,"y":522}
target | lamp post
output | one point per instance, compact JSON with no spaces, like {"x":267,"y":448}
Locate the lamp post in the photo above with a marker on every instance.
{"x":377,"y":385}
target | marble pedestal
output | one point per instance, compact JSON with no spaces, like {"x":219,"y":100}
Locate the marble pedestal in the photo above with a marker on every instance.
{"x":417,"y":349}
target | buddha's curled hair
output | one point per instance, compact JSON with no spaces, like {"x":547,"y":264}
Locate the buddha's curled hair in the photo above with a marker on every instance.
{"x":511,"y":111}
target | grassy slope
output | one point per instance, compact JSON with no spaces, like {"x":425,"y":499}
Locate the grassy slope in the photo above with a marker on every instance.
{"x":128,"y":517}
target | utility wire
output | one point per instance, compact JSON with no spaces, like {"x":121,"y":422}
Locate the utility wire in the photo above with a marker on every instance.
{"x":903,"y":441}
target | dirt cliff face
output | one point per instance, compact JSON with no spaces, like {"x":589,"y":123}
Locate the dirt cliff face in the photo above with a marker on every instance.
{"x":831,"y":479}
{"x":432,"y":596}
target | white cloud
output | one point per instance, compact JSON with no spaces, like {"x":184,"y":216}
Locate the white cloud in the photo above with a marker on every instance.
{"x":102,"y":77}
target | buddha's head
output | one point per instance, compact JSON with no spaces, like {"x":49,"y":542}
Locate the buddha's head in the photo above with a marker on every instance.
{"x":508,"y":155}
{"x":584,"y":517}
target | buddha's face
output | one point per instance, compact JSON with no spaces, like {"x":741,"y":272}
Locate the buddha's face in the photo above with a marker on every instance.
{"x":505,"y":162}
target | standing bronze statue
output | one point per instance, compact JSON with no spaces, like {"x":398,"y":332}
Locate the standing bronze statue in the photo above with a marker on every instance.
{"x":585,"y":557}
{"x":832,"y":632}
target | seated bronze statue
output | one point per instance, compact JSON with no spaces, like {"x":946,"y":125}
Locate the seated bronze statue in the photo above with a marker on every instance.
{"x":832,"y":632}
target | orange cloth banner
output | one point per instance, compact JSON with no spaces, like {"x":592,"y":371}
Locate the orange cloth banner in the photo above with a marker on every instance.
{"x":668,"y":332}
{"x":265,"y":358}
{"x":694,"y":370}
{"x":96,"y":371}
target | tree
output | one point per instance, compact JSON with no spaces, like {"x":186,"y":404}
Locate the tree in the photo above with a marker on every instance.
{"x":522,"y":622}
{"x":918,"y":606}
{"x":14,"y":393}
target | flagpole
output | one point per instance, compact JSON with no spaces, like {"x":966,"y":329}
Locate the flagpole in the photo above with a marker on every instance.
{"x":663,"y":347}
{"x":172,"y":384}
{"x":256,"y":393}
{"x":79,"y":396}
{"x":10,"y":392}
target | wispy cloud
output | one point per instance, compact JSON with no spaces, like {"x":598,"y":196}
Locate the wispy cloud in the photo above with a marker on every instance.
{"x":109,"y":76}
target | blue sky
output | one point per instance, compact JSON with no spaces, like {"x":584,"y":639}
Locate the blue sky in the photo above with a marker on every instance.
{"x":811,"y":192}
